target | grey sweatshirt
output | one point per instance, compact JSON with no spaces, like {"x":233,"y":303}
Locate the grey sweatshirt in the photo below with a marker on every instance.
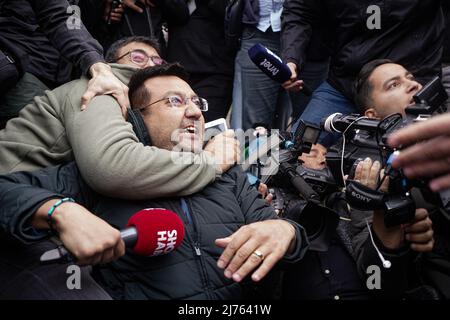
{"x":53,"y":130}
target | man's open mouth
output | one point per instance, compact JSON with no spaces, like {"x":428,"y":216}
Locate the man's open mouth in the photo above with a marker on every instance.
{"x":191,"y":129}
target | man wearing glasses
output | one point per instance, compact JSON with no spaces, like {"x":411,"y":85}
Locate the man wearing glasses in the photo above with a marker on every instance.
{"x":53,"y":130}
{"x":230,"y":232}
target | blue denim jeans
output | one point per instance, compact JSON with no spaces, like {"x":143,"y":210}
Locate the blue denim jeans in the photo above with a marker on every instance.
{"x":326,"y":100}
{"x":313,"y":73}
{"x":255,"y":96}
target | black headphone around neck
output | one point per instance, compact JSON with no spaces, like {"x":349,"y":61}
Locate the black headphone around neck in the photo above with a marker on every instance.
{"x":139,"y":127}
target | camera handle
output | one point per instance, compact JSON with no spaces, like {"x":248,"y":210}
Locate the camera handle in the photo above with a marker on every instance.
{"x":299,"y":183}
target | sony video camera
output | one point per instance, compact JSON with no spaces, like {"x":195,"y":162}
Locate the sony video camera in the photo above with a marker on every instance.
{"x":364,"y":137}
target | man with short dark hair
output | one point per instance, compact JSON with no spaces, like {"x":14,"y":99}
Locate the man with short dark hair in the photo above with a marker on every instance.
{"x":114,"y":54}
{"x":227,"y":214}
{"x":53,"y":130}
{"x":408,"y":32}
{"x":383,"y":88}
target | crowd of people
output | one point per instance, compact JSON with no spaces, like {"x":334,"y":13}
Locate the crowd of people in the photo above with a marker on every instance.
{"x":103,"y":106}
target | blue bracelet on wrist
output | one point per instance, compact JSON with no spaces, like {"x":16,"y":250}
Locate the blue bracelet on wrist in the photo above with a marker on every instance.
{"x":53,"y":208}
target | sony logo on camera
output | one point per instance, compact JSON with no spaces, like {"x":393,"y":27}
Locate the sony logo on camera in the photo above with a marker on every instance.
{"x":361,"y":197}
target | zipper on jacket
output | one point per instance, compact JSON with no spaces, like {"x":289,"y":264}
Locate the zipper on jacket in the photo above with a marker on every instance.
{"x":187,"y":209}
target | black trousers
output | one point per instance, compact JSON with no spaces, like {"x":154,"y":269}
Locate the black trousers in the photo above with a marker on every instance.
{"x":22,"y":277}
{"x":217,"y":89}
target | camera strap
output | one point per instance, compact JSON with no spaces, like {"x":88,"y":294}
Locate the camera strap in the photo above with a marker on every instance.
{"x":362,"y":197}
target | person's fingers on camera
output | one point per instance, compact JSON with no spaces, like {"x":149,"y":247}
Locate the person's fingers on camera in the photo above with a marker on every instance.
{"x":437,"y":126}
{"x":427,"y":247}
{"x":373,"y":175}
{"x":420,"y":225}
{"x":366,"y":166}
{"x":421,"y":214}
{"x":420,"y":237}
{"x":440,"y":183}
{"x":434,"y":149}
{"x":428,"y":169}
{"x":358,"y":172}
{"x":385,"y":185}
{"x":421,"y":222}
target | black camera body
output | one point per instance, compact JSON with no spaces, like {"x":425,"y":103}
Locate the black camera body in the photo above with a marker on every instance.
{"x":363,"y":137}
{"x":321,"y":181}
{"x":359,"y":145}
{"x":289,"y":172}
{"x":297,"y":190}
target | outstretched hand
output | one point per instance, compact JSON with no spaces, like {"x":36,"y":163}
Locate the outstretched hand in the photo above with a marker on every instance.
{"x":259,"y":246}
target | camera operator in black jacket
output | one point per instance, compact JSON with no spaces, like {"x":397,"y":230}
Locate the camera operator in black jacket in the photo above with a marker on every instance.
{"x":328,"y":270}
{"x":409,"y":32}
{"x":230,"y":233}
{"x":383,"y":88}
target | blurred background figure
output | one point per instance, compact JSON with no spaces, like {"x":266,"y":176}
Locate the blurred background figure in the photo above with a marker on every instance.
{"x":44,"y":50}
{"x":199,"y":45}
{"x":446,"y":54}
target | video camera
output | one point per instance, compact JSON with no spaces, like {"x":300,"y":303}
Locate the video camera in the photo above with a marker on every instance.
{"x":363,"y":137}
{"x":297,"y":190}
{"x":286,"y":170}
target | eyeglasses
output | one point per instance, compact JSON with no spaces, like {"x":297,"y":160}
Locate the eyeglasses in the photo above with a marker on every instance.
{"x":178,"y":101}
{"x":140,"y":58}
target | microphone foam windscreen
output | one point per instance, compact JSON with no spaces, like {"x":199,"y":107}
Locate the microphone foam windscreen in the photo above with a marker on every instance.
{"x":159,"y":231}
{"x":269,"y":63}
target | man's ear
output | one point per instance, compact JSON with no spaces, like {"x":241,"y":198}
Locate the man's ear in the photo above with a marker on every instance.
{"x":371,"y":113}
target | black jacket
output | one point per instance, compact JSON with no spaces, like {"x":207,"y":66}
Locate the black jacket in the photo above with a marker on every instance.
{"x":199,"y":44}
{"x":411,"y":34}
{"x":411,"y":275}
{"x":446,"y":54}
{"x":218,"y":211}
{"x":149,"y":23}
{"x":329,"y":262}
{"x":36,"y":33}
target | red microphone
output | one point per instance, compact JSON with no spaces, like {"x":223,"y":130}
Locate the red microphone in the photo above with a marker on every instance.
{"x":150,"y":232}
{"x":158,"y":231}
